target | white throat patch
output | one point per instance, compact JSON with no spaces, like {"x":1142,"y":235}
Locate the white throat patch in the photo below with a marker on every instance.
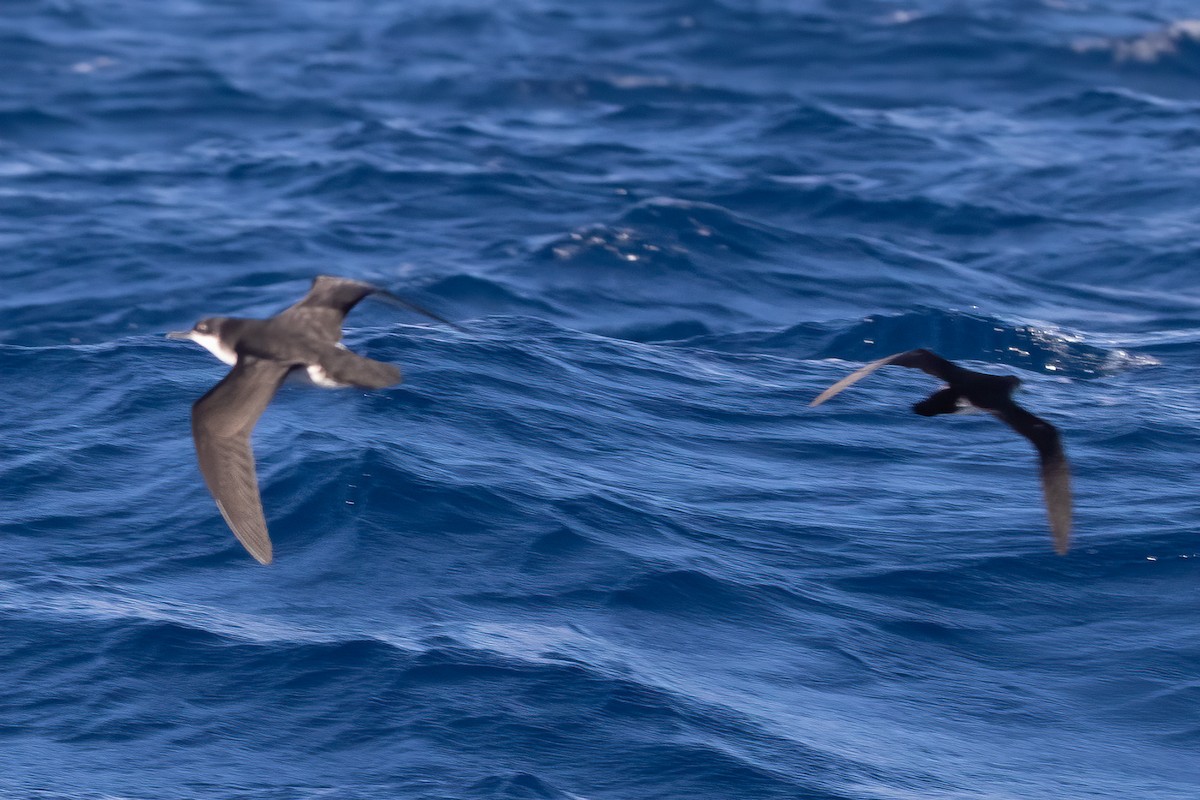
{"x":213,"y":345}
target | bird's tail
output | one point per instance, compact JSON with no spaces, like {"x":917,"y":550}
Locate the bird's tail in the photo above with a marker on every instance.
{"x":346,"y":367}
{"x":943,"y":401}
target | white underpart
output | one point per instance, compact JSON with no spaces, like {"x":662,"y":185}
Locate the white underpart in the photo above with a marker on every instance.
{"x":321,"y":378}
{"x":315,"y":373}
{"x":966,"y":407}
{"x":213,"y":345}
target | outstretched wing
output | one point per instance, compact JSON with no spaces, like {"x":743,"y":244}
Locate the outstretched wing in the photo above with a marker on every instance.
{"x":922,"y":359}
{"x":326,"y":305}
{"x":330,"y":299}
{"x":1056,"y":472}
{"x":221,"y":424}
{"x":397,"y":300}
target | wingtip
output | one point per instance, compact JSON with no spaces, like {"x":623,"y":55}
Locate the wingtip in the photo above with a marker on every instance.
{"x":827,"y":393}
{"x":855,"y":377}
{"x":262,"y":556}
{"x":1062,"y":542}
{"x":1059,"y":512}
{"x":256,"y":542}
{"x":1056,"y":488}
{"x":402,"y":302}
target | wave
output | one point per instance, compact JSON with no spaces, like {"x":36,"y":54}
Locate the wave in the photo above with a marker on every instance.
{"x":836,"y":200}
{"x":957,"y":335}
{"x":1177,"y":43}
{"x":597,"y":544}
{"x":1118,"y":104}
{"x":659,"y":233}
{"x":392,"y":691}
{"x":960,"y":335}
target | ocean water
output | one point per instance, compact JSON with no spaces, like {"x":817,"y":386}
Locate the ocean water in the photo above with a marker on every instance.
{"x":597,"y":546}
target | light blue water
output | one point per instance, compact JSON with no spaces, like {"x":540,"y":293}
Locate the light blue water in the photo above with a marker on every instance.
{"x":598,"y":546}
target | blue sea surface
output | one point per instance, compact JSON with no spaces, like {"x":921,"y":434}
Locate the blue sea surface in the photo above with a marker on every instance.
{"x":597,"y":546}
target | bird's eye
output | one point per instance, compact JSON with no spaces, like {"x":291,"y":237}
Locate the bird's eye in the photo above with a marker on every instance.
{"x":202,"y":327}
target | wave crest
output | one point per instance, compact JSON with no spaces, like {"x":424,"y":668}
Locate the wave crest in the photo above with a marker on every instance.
{"x":959,"y":335}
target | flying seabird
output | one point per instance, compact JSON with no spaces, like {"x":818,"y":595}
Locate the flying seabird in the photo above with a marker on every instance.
{"x":992,"y":393}
{"x":303,"y":340}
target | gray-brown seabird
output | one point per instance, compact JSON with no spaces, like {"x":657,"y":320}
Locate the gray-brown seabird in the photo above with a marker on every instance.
{"x":304,"y":339}
{"x":991,"y":393}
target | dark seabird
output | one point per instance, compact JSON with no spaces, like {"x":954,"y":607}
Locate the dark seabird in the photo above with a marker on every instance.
{"x":991,"y":393}
{"x":304,"y":340}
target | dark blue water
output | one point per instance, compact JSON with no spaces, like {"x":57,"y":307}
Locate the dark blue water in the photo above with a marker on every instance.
{"x":598,"y":547}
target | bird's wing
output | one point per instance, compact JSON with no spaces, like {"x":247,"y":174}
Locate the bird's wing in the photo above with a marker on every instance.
{"x":221,"y":424}
{"x":327,"y":303}
{"x":921,"y":359}
{"x":397,"y":300}
{"x":1056,"y":472}
{"x":331,"y":298}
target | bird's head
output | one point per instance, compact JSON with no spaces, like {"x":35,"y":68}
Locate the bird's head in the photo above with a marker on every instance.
{"x":208,"y":334}
{"x":210,"y":326}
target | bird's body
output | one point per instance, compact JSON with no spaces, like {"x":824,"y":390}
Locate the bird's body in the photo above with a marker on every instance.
{"x":303,"y":339}
{"x":991,"y":393}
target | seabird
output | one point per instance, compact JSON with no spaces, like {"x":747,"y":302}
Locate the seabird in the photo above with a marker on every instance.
{"x":992,"y":393}
{"x":303,"y":340}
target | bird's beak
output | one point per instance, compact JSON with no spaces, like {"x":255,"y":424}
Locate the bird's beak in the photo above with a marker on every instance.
{"x":179,"y":335}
